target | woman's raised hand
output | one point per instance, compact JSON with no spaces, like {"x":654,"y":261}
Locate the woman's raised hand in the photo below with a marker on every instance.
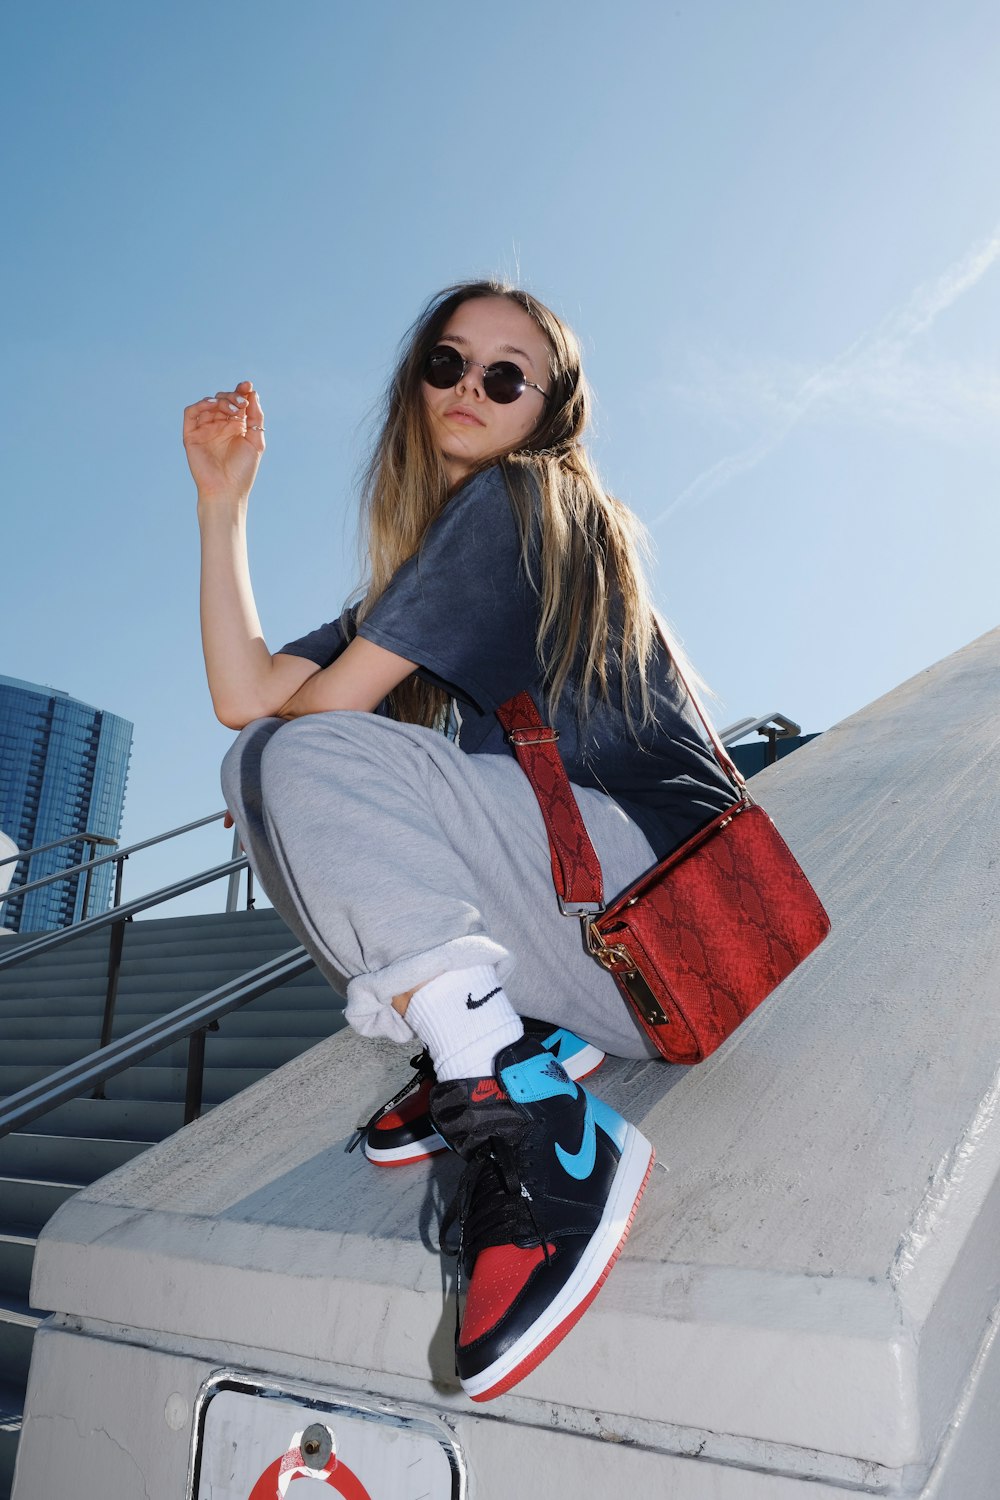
{"x":224,"y":440}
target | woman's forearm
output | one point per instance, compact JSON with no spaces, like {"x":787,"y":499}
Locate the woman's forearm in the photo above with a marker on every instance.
{"x":237,"y":660}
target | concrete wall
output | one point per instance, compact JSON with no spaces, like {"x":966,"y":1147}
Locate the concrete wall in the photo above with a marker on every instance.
{"x":806,"y":1304}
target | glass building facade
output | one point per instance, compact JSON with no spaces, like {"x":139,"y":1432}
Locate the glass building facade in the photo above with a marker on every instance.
{"x":63,"y":769}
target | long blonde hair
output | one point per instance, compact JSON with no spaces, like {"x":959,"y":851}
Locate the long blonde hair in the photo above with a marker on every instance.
{"x":594,"y":605}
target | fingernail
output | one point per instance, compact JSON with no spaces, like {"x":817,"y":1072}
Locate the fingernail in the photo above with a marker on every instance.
{"x":241,"y":401}
{"x":213,"y":399}
{"x":231,"y":406}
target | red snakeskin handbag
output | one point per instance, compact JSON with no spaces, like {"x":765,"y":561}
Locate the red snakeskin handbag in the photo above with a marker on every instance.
{"x":702,"y":938}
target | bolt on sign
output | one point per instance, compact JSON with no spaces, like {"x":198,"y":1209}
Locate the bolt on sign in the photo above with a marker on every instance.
{"x":263,"y":1440}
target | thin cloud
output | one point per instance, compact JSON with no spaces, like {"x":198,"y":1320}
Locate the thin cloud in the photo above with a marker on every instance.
{"x":873,"y":369}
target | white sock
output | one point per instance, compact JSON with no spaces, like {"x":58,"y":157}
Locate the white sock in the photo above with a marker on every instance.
{"x":463,"y":1019}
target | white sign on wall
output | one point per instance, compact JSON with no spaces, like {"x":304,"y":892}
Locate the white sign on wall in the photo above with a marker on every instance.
{"x":258,"y":1440}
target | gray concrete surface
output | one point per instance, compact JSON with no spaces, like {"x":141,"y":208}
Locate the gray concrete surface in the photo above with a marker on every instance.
{"x":806,"y":1303}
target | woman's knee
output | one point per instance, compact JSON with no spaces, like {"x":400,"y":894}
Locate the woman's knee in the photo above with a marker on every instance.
{"x":311,"y":744}
{"x":297,"y":751}
{"x":355,"y":752}
{"x":241,"y":765}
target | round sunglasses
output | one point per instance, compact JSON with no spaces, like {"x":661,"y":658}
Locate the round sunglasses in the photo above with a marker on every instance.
{"x":503,"y":382}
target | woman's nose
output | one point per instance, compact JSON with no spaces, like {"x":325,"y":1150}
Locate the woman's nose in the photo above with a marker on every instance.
{"x":471,"y":379}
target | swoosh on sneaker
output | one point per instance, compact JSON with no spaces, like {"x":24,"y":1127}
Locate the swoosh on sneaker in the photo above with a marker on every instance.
{"x":580,"y":1163}
{"x":475,"y":1004}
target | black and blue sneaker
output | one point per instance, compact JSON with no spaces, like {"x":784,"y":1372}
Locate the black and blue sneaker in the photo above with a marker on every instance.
{"x":545,"y":1204}
{"x":401,"y":1131}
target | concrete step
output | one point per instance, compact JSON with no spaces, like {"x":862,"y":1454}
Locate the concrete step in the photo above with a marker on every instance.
{"x":65,"y":965}
{"x":266,"y":916}
{"x":28,"y":1203}
{"x":184,"y":970}
{"x":255,"y":1019}
{"x":140,"y":1120}
{"x":164,"y":936}
{"x":132,"y":1001}
{"x":153,"y":927}
{"x":169,"y":1083}
{"x":64,"y":1158}
{"x":88,"y":943}
{"x":13,"y":1079}
{"x":51,"y":1052}
{"x":90,"y":979}
{"x":146,"y":1082}
{"x":221,"y":1051}
{"x":17,"y":1251}
{"x":317,"y":1021}
{"x":41,"y":1024}
{"x":17,"y":1330}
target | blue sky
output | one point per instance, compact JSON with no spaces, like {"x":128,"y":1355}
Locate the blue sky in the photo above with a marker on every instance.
{"x":775,"y":225}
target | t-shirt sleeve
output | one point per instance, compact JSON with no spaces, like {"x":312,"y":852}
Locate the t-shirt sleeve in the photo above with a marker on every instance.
{"x":463,"y":608}
{"x":324,"y":644}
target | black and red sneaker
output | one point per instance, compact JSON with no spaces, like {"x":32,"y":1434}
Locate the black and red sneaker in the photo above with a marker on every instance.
{"x":401,"y":1131}
{"x":544,"y":1206}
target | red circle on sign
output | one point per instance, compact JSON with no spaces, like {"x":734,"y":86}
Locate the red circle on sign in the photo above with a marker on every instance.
{"x":341,"y":1478}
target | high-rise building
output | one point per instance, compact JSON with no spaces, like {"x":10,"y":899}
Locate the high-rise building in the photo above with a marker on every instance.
{"x":63,"y":769}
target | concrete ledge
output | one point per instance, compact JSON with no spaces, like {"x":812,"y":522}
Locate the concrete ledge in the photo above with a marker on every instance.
{"x":814,"y":1274}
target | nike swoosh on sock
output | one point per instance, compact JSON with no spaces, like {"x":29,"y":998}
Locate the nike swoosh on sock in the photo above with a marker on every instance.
{"x":475,"y":1004}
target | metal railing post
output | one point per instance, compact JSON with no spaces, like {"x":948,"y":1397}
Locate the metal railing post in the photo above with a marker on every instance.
{"x":119,"y":873}
{"x":88,"y":844}
{"x":233,"y":888}
{"x":250,"y":895}
{"x":116,"y":944}
{"x":195,"y":1075}
{"x":195,"y":1085}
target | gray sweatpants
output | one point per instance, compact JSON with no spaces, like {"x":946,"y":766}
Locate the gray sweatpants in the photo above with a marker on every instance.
{"x":394,"y":856}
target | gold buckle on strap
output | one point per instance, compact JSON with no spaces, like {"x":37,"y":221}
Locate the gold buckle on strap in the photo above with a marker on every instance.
{"x":543,"y":736}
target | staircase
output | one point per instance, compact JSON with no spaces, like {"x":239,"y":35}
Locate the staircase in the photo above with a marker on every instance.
{"x":50,"y":1014}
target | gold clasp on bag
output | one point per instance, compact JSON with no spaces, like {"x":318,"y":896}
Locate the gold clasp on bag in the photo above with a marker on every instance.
{"x":610,"y":956}
{"x":607,"y":954}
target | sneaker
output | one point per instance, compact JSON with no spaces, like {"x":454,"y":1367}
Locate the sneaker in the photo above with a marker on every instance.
{"x":544,"y":1207}
{"x":401,"y":1131}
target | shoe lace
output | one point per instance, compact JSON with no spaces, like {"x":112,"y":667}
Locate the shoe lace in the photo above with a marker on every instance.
{"x":422,"y":1068}
{"x":492,"y":1206}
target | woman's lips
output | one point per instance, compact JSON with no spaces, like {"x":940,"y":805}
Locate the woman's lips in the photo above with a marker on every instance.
{"x":463,"y":417}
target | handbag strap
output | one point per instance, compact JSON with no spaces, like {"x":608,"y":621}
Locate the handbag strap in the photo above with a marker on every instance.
{"x":722,"y":755}
{"x":576,"y":869}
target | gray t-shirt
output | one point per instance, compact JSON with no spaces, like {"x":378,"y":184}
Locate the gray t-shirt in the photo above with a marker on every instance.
{"x":464,"y":609}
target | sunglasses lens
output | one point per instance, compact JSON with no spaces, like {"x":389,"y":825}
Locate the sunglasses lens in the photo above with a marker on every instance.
{"x":503,"y":382}
{"x":443,"y":367}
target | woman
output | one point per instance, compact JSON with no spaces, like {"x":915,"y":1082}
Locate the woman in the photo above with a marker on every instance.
{"x":414,"y":864}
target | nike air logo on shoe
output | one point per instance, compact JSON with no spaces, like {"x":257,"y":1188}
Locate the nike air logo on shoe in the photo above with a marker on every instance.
{"x":475,"y":1004}
{"x":486,"y":1088}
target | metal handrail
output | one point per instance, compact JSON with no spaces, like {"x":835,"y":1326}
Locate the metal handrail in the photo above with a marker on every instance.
{"x":71,"y":838}
{"x":190,"y":1020}
{"x":106,"y":859}
{"x":779,"y":724}
{"x":119,"y":913}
